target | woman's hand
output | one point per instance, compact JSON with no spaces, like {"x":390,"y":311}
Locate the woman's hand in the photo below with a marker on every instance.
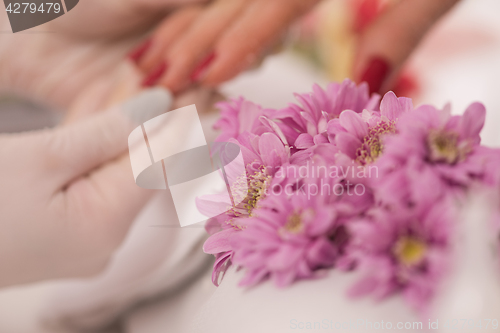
{"x":53,"y":63}
{"x":392,"y":37}
{"x":211,"y":44}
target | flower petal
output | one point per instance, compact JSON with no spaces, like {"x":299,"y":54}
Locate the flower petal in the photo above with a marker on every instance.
{"x":348,"y":144}
{"x":304,"y":141}
{"x":213,"y":204}
{"x":473,"y":121}
{"x":220,"y":266}
{"x":392,"y":107}
{"x":219,"y":242}
{"x":353,"y":123}
{"x":247,"y":115}
{"x":272,"y":150}
{"x":319,"y":139}
{"x":322,"y":253}
{"x":286,"y":256}
{"x":273,"y":127}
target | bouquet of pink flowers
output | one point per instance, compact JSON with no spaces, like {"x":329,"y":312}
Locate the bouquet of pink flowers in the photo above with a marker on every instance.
{"x":343,"y":180}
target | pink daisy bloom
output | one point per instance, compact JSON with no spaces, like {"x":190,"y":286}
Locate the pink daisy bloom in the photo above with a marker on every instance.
{"x":307,"y":123}
{"x":288,"y":238}
{"x":449,"y":144}
{"x":262,"y":155}
{"x":360,"y":135}
{"x":298,"y":228}
{"x":415,"y":182}
{"x":403,"y":250}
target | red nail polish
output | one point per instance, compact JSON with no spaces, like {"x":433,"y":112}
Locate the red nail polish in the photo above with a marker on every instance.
{"x":376,"y":73}
{"x":202,"y":67}
{"x":155,"y":75}
{"x":139,"y":51}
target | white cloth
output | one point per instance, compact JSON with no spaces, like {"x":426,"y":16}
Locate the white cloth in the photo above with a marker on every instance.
{"x":156,"y":258}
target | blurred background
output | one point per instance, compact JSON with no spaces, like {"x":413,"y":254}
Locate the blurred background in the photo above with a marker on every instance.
{"x":457,"y":63}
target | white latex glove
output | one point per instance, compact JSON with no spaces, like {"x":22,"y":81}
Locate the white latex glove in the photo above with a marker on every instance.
{"x":157,"y":258}
{"x":67,"y":195}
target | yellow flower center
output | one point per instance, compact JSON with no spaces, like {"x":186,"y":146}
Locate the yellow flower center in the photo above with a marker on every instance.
{"x":443,"y":147}
{"x":248,"y":191}
{"x":258,"y":183}
{"x":372,"y":146}
{"x":294,"y":223}
{"x":409,"y":250}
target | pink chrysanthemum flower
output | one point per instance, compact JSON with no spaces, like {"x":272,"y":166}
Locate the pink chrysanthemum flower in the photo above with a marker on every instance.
{"x":262,"y":155}
{"x":307,"y":123}
{"x":403,"y":250}
{"x":288,"y":238}
{"x":298,"y":228}
{"x":449,"y":144}
{"x":360,"y":136}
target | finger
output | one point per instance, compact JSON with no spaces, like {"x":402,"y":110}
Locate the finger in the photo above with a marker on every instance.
{"x":262,"y":23}
{"x":75,"y":150}
{"x":151,"y":53}
{"x":159,"y":4}
{"x":104,"y":203}
{"x":105,"y":93}
{"x":88,"y":102}
{"x":194,"y":48}
{"x":390,"y":39}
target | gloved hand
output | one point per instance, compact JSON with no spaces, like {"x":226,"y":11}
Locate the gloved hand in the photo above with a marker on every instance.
{"x":67,"y":195}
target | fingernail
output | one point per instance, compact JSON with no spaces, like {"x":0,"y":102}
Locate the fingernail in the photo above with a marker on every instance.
{"x":202,"y":67}
{"x":376,"y":73}
{"x":155,"y":75}
{"x":136,"y":54}
{"x":147,"y":105}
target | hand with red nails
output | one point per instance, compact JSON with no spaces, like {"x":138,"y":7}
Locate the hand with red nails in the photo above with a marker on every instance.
{"x":212,"y":43}
{"x":387,"y":42}
{"x":82,"y":50}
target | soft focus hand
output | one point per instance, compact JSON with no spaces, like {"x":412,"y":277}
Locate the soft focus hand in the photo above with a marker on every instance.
{"x":387,"y":42}
{"x":68,"y":195}
{"x":99,"y":19}
{"x":53,"y":63}
{"x":211,"y":44}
